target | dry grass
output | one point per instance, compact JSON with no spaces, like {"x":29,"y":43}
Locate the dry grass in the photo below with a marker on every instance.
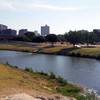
{"x":87,"y":51}
{"x":13,"y":80}
{"x":17,"y":47}
{"x":56,"y":49}
{"x":46,"y":48}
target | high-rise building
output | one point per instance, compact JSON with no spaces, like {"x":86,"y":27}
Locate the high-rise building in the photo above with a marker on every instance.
{"x":3,"y":27}
{"x":22,"y":32}
{"x":45,"y":30}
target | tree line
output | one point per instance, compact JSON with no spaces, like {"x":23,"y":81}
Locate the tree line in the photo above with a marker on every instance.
{"x":74,"y":37}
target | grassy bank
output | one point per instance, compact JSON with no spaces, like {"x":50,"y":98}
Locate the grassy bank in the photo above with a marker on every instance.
{"x":54,"y":50}
{"x":86,"y":52}
{"x":43,"y":48}
{"x":66,"y":50}
{"x":17,"y":47}
{"x":12,"y":78}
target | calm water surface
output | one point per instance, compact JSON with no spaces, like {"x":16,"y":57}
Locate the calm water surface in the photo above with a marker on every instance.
{"x":78,"y":70}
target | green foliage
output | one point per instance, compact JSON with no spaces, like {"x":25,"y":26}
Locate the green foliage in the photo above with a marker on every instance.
{"x":51,"y":38}
{"x":81,"y":97}
{"x":42,"y":73}
{"x":52,"y":76}
{"x":82,"y":36}
{"x":29,"y":70}
{"x":38,"y":39}
{"x":61,"y":38}
{"x":88,"y":96}
{"x":29,"y":36}
{"x":68,"y":90}
{"x":62,"y":86}
{"x":61,"y":81}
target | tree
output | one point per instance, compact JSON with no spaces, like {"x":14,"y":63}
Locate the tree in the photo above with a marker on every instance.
{"x":72,"y":37}
{"x":39,"y":39}
{"x":82,"y":36}
{"x":29,"y":36}
{"x":51,"y":38}
{"x":61,"y":38}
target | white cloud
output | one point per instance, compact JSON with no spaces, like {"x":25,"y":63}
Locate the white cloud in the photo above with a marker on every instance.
{"x":54,"y":8}
{"x":6,"y":6}
{"x":14,"y":5}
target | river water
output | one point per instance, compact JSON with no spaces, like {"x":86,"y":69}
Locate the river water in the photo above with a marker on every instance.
{"x":77,"y":70}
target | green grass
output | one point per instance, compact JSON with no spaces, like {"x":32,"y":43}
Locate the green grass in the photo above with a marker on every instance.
{"x":68,"y":90}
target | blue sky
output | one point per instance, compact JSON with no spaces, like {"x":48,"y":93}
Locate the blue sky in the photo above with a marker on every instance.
{"x":60,"y":15}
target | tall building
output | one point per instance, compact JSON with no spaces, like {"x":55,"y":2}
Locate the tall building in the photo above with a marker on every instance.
{"x":22,"y":32}
{"x":45,"y":30}
{"x":3,"y":27}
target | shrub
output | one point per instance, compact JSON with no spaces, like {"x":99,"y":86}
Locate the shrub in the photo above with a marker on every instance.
{"x":11,"y":65}
{"x":42,"y":73}
{"x":68,"y":91}
{"x":29,"y":70}
{"x":52,"y":76}
{"x":61,"y":81}
{"x":81,"y":97}
{"x":15,"y":67}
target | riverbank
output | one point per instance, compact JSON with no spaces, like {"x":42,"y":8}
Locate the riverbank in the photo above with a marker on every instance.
{"x":65,"y":50}
{"x":38,"y":84}
{"x":92,"y":53}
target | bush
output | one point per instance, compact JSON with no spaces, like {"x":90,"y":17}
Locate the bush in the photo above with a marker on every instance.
{"x":81,"y":97}
{"x":42,"y":73}
{"x":52,"y":76}
{"x":11,"y":65}
{"x":68,"y":91}
{"x":29,"y":70}
{"x":61,"y":81}
{"x":86,"y":97}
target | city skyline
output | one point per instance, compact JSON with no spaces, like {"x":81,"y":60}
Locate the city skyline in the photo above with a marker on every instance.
{"x":60,"y":16}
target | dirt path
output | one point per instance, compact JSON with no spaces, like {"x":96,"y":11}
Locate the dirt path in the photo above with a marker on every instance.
{"x":21,"y":96}
{"x":24,"y":96}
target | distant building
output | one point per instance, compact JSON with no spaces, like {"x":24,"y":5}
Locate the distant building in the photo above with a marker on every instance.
{"x":45,"y":30}
{"x":9,"y":32}
{"x":96,"y":31}
{"x":3,"y":27}
{"x":22,"y":32}
{"x":14,"y":32}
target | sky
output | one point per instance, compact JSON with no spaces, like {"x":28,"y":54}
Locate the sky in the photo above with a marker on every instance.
{"x":60,"y":15}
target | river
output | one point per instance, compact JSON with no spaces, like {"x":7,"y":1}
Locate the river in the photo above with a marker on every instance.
{"x":77,"y":70}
